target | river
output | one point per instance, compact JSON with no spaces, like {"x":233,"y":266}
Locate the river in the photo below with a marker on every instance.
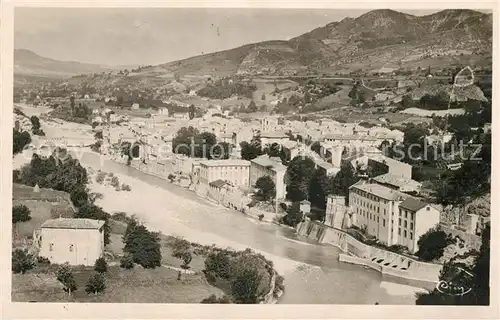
{"x":316,"y":277}
{"x":312,"y":272}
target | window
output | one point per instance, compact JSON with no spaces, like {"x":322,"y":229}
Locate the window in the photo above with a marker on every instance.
{"x":378,"y":220}
{"x":399,"y":231}
{"x":412,"y":216}
{"x":399,"y":221}
{"x":406,"y":214}
{"x":71,"y":248}
{"x":411,"y":235}
{"x":51,"y":247}
{"x":378,"y":209}
{"x":406,"y":224}
{"x":411,"y":225}
{"x":405,"y":233}
{"x":383,"y":222}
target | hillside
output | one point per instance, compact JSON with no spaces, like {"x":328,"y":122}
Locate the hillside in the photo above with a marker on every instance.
{"x":28,"y":63}
{"x":377,"y":39}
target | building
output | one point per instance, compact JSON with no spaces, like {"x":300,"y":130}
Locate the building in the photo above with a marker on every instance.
{"x":398,"y":183}
{"x":416,"y":217}
{"x":269,"y":138}
{"x":181,"y":115}
{"x":335,"y":211}
{"x":135,"y":106}
{"x":269,"y":124}
{"x":392,"y":217}
{"x":233,"y":171}
{"x":75,"y":241}
{"x":267,"y":166}
{"x":378,"y":164}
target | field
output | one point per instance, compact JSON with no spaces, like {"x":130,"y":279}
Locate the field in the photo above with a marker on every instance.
{"x":137,"y":285}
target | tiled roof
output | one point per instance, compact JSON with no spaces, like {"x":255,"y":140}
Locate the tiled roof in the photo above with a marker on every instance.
{"x":379,"y":191}
{"x":265,"y":161}
{"x":349,"y":137}
{"x":412,"y":204}
{"x":224,"y":163}
{"x":69,"y":223}
{"x":395,"y":180}
{"x":218,"y":183}
{"x":273,"y":134}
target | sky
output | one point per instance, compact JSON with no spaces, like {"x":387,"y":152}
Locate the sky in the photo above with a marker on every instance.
{"x":129,"y":37}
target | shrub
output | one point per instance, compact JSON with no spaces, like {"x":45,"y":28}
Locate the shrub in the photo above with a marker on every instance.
{"x":101,"y":265}
{"x":96,"y":284}
{"x":126,"y":187}
{"x":213,"y":299}
{"x":261,"y":216}
{"x":20,"y":213}
{"x":245,"y":288}
{"x":115,"y":182}
{"x":127,"y":261}
{"x":432,"y":244}
{"x":65,"y":276}
{"x":43,"y":260}
{"x":100,"y":177}
{"x":22,"y":261}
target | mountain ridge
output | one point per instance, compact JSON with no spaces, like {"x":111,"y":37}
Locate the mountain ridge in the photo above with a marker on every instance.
{"x":378,"y":39}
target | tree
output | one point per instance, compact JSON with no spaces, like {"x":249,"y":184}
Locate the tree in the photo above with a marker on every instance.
{"x":266,"y":188}
{"x":65,"y":276}
{"x":79,"y":196}
{"x":252,"y":107}
{"x":143,"y":245}
{"x":101,"y":265}
{"x":127,"y":261}
{"x":20,"y":213}
{"x":91,"y":211}
{"x":431,"y":244}
{"x":293,"y":215}
{"x":273,"y":150}
{"x":345,"y":178}
{"x":96,"y":284}
{"x":477,"y":279}
{"x":22,"y":261}
{"x":192,"y":112}
{"x":187,"y":257}
{"x":263,"y":97}
{"x":35,"y":123}
{"x":251,"y":150}
{"x":213,"y":299}
{"x":298,"y":177}
{"x":245,"y":288}
{"x":20,"y":140}
{"x":217,"y":265}
{"x":319,"y":189}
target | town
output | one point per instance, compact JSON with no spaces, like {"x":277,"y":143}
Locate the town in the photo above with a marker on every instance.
{"x":389,"y":168}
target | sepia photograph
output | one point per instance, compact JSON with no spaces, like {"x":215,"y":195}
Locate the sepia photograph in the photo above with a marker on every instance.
{"x":251,"y":156}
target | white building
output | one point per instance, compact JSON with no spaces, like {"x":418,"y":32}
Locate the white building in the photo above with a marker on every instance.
{"x":389,"y":215}
{"x":75,"y":241}
{"x":268,"y":138}
{"x":234,"y":171}
{"x":266,"y":166}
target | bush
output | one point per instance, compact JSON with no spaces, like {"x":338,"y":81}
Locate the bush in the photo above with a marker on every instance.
{"x":431,"y":244}
{"x":143,"y":245}
{"x":101,"y":265}
{"x":42,"y":260}
{"x":100,"y":177}
{"x":115,"y":182}
{"x":245,"y":288}
{"x":126,"y":187}
{"x":217,"y":265}
{"x":96,"y":284}
{"x":127,"y":261}
{"x":20,"y":213}
{"x":65,"y":276}
{"x":22,"y":261}
{"x":213,"y":299}
{"x":261,"y":216}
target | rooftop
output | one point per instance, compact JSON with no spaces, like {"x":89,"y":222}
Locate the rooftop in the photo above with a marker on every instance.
{"x":396,"y":181}
{"x":349,"y":137}
{"x":266,"y":161}
{"x":225,"y":163}
{"x":69,"y":223}
{"x":273,"y":134}
{"x":412,"y":204}
{"x":379,"y":191}
{"x":218,"y":183}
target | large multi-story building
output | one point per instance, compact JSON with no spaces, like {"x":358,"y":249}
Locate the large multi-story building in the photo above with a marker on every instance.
{"x":267,"y":166}
{"x":389,"y":215}
{"x":234,"y":171}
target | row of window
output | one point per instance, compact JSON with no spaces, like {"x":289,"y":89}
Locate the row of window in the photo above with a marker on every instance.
{"x":405,"y":233}
{"x":71,"y":247}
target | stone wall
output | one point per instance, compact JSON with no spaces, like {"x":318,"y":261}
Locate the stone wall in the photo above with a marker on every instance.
{"x":378,"y":259}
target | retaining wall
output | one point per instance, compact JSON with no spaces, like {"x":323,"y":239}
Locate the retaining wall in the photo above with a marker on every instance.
{"x":384,"y":261}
